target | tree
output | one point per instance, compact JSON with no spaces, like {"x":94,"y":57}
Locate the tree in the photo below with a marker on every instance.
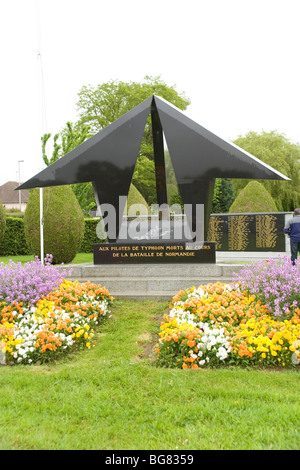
{"x":65,"y":141}
{"x":101,"y":105}
{"x":253,"y":198}
{"x":277,"y":151}
{"x":84,"y":193}
{"x":70,"y":137}
{"x":223,"y":195}
{"x":144,"y":178}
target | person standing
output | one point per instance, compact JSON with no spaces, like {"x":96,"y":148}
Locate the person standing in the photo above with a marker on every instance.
{"x":292,"y":229}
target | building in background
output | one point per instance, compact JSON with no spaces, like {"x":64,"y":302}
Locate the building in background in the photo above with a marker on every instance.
{"x":10,"y":198}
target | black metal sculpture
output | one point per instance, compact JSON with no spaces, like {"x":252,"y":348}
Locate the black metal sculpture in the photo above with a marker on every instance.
{"x":198,"y":157}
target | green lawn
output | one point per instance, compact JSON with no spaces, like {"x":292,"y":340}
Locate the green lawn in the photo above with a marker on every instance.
{"x":113,"y":397}
{"x":79,"y":258}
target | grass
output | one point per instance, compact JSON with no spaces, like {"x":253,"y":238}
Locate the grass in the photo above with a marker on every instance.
{"x":79,"y":258}
{"x":113,"y":397}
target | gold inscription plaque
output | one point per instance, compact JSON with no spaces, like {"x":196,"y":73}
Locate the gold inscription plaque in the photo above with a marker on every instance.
{"x":238,"y":232}
{"x":215,"y":231}
{"x":247,"y":232}
{"x":266,"y":231}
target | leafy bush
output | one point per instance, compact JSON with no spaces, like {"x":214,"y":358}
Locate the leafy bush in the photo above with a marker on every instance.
{"x":90,"y":236}
{"x":253,"y":198}
{"x":2,"y":222}
{"x":63,"y":223}
{"x":14,"y":241}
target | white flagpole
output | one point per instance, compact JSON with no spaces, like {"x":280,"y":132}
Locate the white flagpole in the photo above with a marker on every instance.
{"x":44,"y":124}
{"x":42,"y":226}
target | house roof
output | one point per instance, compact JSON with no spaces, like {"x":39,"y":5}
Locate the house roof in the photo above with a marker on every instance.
{"x":8,"y":195}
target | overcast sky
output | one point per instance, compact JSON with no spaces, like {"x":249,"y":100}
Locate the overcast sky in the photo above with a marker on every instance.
{"x":237,"y":61}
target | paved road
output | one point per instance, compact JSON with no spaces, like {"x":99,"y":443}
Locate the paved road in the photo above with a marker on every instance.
{"x":235,"y":257}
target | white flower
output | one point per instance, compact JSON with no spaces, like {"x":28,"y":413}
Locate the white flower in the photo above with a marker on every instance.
{"x":222,"y":353}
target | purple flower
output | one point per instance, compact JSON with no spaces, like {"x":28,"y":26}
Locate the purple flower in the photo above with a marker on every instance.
{"x":31,"y":281}
{"x":275,"y":283}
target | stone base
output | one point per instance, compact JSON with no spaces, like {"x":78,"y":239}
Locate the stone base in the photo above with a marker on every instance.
{"x":149,"y":281}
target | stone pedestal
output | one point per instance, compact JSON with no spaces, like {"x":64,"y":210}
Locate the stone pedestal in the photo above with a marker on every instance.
{"x":152,"y":281}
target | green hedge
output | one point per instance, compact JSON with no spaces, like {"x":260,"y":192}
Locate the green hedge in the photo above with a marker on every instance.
{"x":90,"y":236}
{"x":14,"y":241}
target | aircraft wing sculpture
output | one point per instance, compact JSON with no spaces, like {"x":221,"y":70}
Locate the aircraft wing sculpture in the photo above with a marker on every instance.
{"x":198,"y":156}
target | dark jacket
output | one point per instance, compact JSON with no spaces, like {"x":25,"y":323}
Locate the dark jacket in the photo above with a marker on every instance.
{"x":292,"y":228}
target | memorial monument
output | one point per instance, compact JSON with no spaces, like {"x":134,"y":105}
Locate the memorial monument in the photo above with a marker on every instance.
{"x":198,"y":156}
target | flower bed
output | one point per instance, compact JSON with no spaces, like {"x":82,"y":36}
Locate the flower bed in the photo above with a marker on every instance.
{"x":224,"y":324}
{"x":275,"y":282}
{"x":48,"y":321}
{"x":29,"y":282}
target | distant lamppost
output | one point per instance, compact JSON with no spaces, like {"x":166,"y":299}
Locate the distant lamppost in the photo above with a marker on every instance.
{"x":20,"y":201}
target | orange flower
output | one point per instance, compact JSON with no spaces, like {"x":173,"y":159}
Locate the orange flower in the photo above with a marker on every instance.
{"x":243,"y":350}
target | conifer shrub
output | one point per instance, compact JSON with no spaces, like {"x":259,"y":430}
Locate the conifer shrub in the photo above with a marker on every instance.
{"x":2,"y":221}
{"x":253,"y":198}
{"x":63,"y":223}
{"x":136,"y":198}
